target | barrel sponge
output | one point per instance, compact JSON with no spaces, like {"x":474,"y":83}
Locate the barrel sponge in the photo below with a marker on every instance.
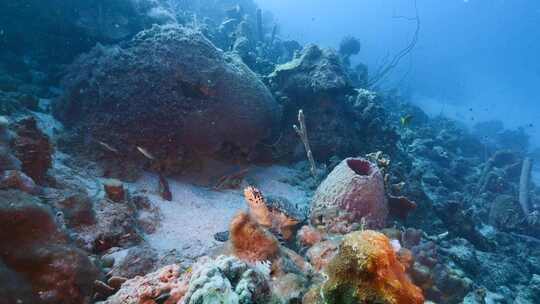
{"x":367,"y":270}
{"x":351,"y":193}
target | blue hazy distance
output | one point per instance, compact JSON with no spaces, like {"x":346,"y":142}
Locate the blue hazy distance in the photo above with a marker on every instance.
{"x":476,"y":54}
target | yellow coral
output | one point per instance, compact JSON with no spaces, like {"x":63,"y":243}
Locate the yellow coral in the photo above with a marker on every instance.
{"x":366,"y":270}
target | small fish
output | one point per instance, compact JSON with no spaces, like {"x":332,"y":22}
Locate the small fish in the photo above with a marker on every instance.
{"x":189,"y":269}
{"x":146,"y":153}
{"x":164,"y":189}
{"x":406,"y":120}
{"x":108,"y":147}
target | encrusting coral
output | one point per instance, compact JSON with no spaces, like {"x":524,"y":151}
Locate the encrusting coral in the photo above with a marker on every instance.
{"x":367,"y":270}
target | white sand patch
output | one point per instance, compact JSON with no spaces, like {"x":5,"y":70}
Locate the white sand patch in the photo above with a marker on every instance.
{"x":198,"y":212}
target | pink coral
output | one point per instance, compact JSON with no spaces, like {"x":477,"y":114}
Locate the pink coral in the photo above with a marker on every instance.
{"x":146,"y":289}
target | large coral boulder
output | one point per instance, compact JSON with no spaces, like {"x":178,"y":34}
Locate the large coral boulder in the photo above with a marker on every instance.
{"x":367,"y":270}
{"x":352,"y":195}
{"x":168,"y":90}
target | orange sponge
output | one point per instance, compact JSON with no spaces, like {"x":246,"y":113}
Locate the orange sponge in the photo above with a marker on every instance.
{"x":367,"y":270}
{"x":250,"y":242}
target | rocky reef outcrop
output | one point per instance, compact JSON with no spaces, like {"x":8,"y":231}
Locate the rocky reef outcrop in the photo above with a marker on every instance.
{"x":315,"y":71}
{"x":25,"y":153}
{"x":33,"y":245}
{"x":33,"y":148}
{"x":316,"y":82}
{"x":170,"y":91}
{"x":193,"y":86}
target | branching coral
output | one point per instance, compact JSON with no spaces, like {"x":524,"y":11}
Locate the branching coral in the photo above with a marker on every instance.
{"x":387,"y":67}
{"x":366,"y":270}
{"x":301,"y":130}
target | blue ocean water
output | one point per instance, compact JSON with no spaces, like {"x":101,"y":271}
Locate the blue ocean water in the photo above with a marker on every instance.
{"x":471,"y":54}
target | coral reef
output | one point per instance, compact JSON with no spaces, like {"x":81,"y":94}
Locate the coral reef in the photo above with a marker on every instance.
{"x":220,"y":280}
{"x":353,"y":192}
{"x":314,"y":72}
{"x":366,"y":270}
{"x":163,"y":285}
{"x":198,"y":99}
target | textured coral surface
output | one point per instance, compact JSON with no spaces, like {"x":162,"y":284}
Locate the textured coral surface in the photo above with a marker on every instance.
{"x":367,"y":270}
{"x":352,"y":192}
{"x":250,"y":241}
